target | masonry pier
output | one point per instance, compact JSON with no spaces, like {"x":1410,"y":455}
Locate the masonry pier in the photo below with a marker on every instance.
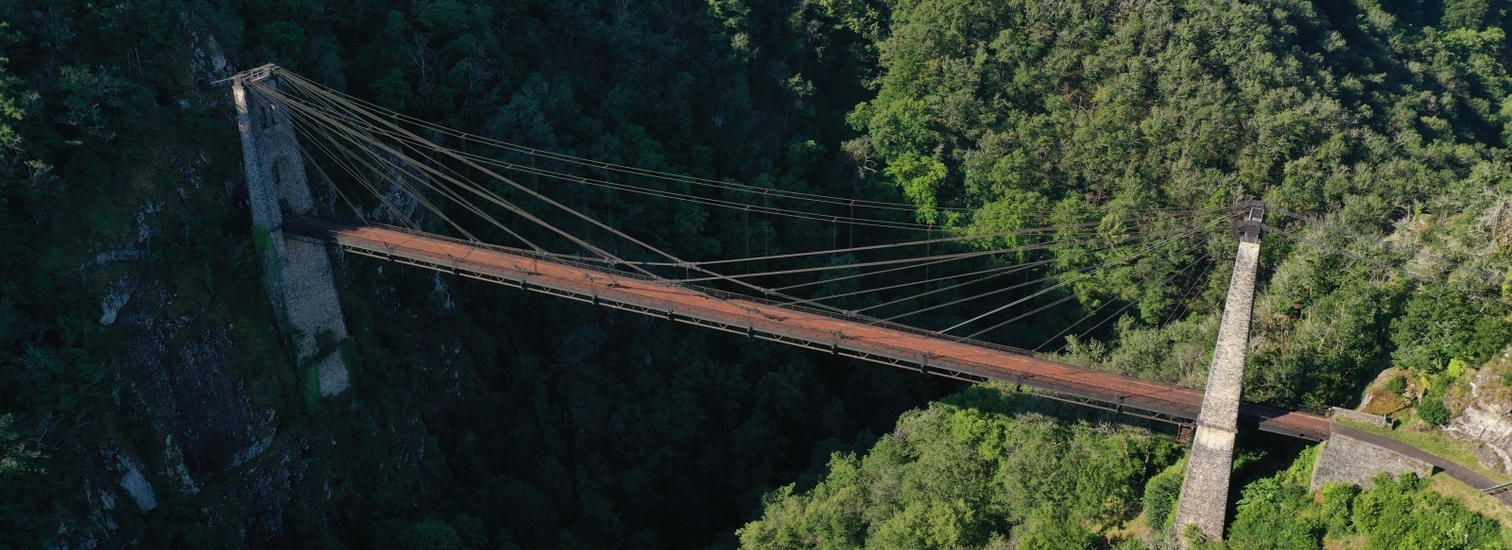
{"x":1204,"y":492}
{"x":296,"y":273}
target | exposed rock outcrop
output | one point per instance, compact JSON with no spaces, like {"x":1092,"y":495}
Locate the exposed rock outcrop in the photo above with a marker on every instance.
{"x":115,"y":298}
{"x":1486,"y":418}
{"x":137,"y":485}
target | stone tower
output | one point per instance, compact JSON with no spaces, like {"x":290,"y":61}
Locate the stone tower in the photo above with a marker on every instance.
{"x":1204,"y":491}
{"x":296,"y":273}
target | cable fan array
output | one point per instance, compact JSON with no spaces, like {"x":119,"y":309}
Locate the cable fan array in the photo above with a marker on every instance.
{"x":894,"y":270}
{"x":1380,"y":253}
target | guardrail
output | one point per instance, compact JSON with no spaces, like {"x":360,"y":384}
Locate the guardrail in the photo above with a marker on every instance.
{"x":1143,"y":405}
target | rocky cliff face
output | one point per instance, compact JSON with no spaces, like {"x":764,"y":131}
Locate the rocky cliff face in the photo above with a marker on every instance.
{"x":1486,"y":418}
{"x":199,"y":391}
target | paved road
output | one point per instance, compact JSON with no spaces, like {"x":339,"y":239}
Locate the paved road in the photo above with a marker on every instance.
{"x":1453,"y":469}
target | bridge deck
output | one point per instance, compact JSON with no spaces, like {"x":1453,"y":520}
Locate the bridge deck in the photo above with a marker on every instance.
{"x":892,"y":345}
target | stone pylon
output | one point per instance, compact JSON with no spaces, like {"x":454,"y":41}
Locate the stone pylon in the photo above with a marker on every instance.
{"x":1204,"y":491}
{"x":296,"y":273}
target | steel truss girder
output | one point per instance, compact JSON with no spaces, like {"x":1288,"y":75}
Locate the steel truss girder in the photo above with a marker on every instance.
{"x":920,"y":364}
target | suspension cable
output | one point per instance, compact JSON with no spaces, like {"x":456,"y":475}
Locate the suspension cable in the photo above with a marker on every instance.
{"x":991,"y":273}
{"x":507,"y":205}
{"x":1129,"y":303}
{"x":315,"y":87}
{"x":1082,"y":275}
{"x":980,"y":275}
{"x":500,"y":201}
{"x":367,"y":163}
{"x":661,"y":193}
{"x":1186,"y":295}
{"x":1488,"y":275}
{"x":311,"y":160}
{"x":907,"y":267}
{"x":386,"y":169}
{"x":946,"y":257}
{"x":957,"y":238}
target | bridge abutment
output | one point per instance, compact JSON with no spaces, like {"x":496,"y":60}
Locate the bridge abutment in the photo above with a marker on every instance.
{"x":296,"y":273}
{"x":1349,"y":460}
{"x":1204,"y":491}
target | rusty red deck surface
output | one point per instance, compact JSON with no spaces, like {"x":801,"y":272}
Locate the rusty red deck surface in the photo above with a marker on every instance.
{"x":895,"y":346}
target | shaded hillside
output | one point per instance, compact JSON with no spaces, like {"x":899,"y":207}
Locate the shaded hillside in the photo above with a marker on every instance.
{"x":479,"y":414}
{"x":146,"y":399}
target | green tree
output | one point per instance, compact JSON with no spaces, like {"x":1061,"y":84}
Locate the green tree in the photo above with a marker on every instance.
{"x":981,"y":468}
{"x":1054,"y":532}
{"x":1439,"y":324}
{"x":1465,"y":14}
{"x":431,"y":533}
{"x":920,"y":178}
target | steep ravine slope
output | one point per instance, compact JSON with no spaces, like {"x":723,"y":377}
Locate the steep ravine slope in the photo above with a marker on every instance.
{"x":147,"y":400}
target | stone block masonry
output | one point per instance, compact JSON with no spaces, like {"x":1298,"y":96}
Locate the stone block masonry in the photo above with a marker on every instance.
{"x":1349,"y":460}
{"x":1204,"y":491}
{"x":296,"y":273}
{"x":1340,"y":413}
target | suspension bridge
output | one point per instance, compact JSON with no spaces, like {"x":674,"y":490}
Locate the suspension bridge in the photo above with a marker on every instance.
{"x":978,"y":280}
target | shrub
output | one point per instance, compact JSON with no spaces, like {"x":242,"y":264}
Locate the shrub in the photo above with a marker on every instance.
{"x":1338,"y":498}
{"x":1432,"y":410}
{"x":1160,"y":496}
{"x":1457,"y":368}
{"x":1397,"y":384}
{"x":1056,"y":533}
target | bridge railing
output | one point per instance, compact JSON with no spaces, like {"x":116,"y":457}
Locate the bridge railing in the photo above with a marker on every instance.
{"x":604,"y":265}
{"x":954,"y":367}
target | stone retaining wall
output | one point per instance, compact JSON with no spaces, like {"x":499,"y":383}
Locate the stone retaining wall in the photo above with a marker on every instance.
{"x":1349,"y":460}
{"x":1340,"y":413}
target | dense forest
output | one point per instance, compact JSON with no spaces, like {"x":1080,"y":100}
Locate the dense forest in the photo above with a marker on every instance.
{"x":978,"y":470}
{"x":146,"y":399}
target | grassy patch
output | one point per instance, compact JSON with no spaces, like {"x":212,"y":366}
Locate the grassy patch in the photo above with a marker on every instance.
{"x":1133,"y":529}
{"x":1351,"y":542}
{"x":1384,"y":402}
